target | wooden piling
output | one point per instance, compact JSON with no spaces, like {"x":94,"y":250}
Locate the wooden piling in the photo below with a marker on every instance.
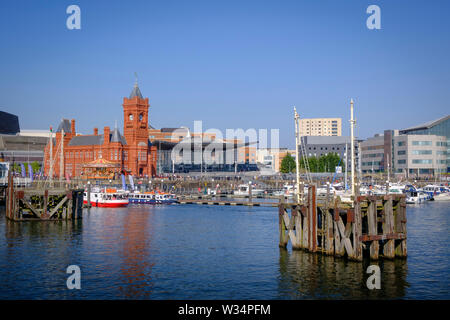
{"x":343,"y":229}
{"x":37,"y":204}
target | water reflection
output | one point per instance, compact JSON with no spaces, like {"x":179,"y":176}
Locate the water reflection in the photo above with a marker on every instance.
{"x":314,"y":276}
{"x":210,"y":252}
{"x":136,"y":253}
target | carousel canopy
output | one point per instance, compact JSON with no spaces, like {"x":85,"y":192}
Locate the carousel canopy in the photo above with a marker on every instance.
{"x":101,"y":163}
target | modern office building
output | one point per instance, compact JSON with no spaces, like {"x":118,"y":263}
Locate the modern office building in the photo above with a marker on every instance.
{"x":321,"y":127}
{"x":9,"y":123}
{"x":417,"y":151}
{"x":20,"y":146}
{"x":418,"y":155}
{"x":374,"y":154}
{"x":214,"y":155}
{"x":439,"y":127}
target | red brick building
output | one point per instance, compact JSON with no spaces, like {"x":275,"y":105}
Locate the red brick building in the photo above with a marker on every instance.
{"x":132,"y":150}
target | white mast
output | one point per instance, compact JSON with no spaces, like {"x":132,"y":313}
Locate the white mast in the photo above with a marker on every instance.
{"x":388,"y":167}
{"x":297,"y":157}
{"x":61,"y":162}
{"x":346,"y":166}
{"x":352,"y":124}
{"x":50,"y":157}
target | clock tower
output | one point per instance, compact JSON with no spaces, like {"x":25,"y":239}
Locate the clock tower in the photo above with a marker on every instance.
{"x":135,"y":131}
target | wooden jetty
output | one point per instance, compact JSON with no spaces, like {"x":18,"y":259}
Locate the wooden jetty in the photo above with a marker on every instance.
{"x":24,"y":204}
{"x":371,"y":225}
{"x":227,"y":202}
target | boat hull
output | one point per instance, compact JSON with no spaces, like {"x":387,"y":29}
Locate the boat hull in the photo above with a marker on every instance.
{"x":108,"y":204}
{"x":152,"y":201}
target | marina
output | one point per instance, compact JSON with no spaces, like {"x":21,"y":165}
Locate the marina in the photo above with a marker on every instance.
{"x":203,"y":252}
{"x":235,"y":151}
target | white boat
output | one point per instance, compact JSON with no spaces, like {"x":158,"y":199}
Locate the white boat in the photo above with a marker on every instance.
{"x":152,"y":198}
{"x":445,"y":196}
{"x":244,"y":190}
{"x":288,"y":191}
{"x":435,"y":191}
{"x":416,"y":197}
{"x":104,"y":197}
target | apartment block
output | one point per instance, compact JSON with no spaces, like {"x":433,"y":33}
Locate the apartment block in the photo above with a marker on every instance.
{"x":321,"y":127}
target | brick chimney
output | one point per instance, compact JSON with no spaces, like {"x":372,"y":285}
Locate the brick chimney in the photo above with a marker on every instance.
{"x":72,"y":126}
{"x":106,"y":135}
{"x":96,"y":131}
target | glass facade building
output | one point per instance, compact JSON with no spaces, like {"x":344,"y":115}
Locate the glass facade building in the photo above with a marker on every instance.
{"x":439,"y":127}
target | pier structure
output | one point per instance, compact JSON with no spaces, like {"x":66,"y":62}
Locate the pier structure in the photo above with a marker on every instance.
{"x":27,"y":204}
{"x":372,"y":226}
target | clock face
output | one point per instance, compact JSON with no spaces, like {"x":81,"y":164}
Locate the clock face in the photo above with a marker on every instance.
{"x":130,"y":117}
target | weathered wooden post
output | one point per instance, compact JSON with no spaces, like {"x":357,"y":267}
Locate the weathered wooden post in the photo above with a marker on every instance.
{"x":388,"y":227}
{"x":357,"y":229}
{"x":373,"y":226}
{"x":312,"y":212}
{"x":282,"y":226}
{"x":400,"y":227}
{"x":89,"y":194}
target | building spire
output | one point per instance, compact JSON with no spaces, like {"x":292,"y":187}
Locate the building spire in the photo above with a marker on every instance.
{"x":136,"y":92}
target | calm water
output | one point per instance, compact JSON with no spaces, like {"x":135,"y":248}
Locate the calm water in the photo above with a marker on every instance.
{"x":207,"y":252}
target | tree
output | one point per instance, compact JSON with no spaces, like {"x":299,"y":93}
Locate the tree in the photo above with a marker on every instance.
{"x":288,"y":164}
{"x":325,"y":163}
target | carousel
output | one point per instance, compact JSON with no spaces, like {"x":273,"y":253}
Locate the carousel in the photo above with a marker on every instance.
{"x":100,"y":169}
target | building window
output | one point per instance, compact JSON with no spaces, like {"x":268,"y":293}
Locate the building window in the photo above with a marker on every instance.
{"x":401,"y":161}
{"x":422,"y":161}
{"x":421,"y":143}
{"x":401,"y":143}
{"x":421,"y":152}
{"x":401,"y":152}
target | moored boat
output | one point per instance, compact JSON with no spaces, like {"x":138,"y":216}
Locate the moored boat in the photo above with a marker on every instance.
{"x":244,"y":190}
{"x":104,"y":197}
{"x":152,"y":198}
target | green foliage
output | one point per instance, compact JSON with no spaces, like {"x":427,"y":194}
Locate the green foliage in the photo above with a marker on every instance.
{"x":325,"y":163}
{"x":288,"y":164}
{"x":35,"y":166}
{"x":16,"y":167}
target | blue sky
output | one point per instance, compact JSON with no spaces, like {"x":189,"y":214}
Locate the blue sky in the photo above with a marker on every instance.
{"x":232,"y":64}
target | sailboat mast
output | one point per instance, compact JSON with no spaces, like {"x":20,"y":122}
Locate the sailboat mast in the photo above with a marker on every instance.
{"x":346,"y":165}
{"x":50,"y":160}
{"x":297,"y":158}
{"x":61,"y":159}
{"x":352,"y":123}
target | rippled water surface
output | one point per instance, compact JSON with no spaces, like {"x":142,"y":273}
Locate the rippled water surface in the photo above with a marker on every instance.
{"x":207,"y":252}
